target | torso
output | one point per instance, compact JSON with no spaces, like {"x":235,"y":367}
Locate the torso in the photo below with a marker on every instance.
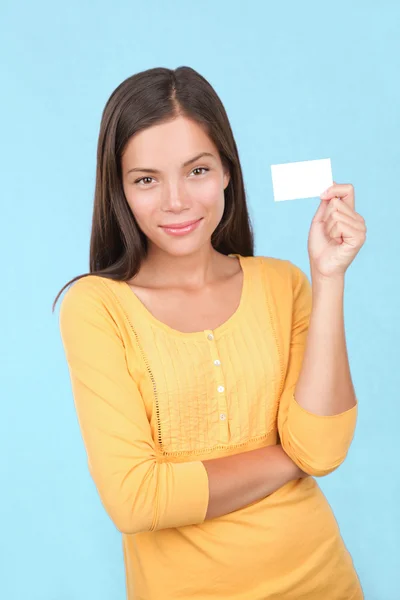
{"x":200,"y":408}
{"x":195,"y":310}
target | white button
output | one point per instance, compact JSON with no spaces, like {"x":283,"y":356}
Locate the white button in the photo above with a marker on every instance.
{"x":221,"y":388}
{"x":217,"y":362}
{"x":222,"y":416}
{"x":210,"y":336}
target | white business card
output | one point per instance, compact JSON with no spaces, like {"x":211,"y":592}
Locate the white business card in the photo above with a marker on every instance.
{"x":305,"y":179}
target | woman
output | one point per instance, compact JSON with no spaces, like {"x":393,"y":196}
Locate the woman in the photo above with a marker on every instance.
{"x":211,"y":386}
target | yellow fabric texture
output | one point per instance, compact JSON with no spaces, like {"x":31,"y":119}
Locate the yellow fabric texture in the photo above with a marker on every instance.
{"x":153,"y":402}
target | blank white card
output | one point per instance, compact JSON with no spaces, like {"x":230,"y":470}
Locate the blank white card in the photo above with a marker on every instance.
{"x":306,"y":179}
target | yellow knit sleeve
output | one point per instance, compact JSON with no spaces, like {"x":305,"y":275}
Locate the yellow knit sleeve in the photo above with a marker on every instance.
{"x":317,"y":444}
{"x":138,"y":492}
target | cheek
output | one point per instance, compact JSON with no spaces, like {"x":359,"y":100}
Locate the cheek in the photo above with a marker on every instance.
{"x":142,"y":208}
{"x":210,"y":195}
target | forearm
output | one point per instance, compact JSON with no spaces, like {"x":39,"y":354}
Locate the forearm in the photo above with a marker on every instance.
{"x":236,"y":481}
{"x":324,"y":386}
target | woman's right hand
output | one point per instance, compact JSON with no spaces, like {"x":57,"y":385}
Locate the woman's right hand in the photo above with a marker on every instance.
{"x":298,"y":473}
{"x":303,"y":475}
{"x":239,"y":480}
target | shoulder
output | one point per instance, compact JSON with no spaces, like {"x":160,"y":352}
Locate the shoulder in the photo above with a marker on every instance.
{"x":87,"y":288}
{"x":89,"y":297}
{"x":280,"y":270}
{"x":286,"y":285}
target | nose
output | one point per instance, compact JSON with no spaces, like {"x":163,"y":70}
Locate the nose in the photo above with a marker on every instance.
{"x":173,"y":198}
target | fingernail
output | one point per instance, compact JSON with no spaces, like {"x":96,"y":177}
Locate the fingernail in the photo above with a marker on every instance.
{"x":325,"y":193}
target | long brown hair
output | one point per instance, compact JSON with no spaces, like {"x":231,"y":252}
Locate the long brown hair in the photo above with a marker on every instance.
{"x":154,"y":96}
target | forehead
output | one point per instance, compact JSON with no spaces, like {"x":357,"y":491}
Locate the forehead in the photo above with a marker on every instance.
{"x":169,"y":142}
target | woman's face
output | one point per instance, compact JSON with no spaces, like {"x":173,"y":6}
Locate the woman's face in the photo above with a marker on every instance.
{"x":166,"y":182}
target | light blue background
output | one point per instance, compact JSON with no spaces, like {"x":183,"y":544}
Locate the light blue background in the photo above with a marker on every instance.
{"x":299,"y":80}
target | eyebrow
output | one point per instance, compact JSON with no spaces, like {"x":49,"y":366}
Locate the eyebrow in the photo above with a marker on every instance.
{"x":185,"y":164}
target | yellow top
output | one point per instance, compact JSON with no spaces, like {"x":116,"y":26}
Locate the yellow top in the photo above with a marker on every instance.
{"x":153,"y":402}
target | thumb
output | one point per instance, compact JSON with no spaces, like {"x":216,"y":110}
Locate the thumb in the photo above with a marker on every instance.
{"x":319,"y":215}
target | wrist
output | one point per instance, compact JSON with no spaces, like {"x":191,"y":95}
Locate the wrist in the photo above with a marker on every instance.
{"x":335,"y":281}
{"x":288,"y":467}
{"x":327,"y":291}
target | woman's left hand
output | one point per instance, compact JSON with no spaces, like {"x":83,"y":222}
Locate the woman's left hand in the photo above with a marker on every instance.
{"x":337,"y":233}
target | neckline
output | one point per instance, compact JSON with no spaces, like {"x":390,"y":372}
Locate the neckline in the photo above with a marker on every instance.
{"x":217,"y":331}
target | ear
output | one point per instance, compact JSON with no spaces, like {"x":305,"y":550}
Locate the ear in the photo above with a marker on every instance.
{"x":227,"y":178}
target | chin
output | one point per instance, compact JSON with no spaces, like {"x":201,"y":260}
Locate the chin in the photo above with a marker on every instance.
{"x":181,"y":249}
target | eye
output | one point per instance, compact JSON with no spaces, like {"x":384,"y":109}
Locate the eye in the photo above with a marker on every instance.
{"x":145,"y":182}
{"x":200,"y":169}
{"x":142,"y":179}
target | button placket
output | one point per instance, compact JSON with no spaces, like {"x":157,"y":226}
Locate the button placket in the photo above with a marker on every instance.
{"x":220,"y":387}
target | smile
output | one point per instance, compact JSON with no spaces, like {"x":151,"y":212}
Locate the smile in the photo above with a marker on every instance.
{"x":181,"y":228}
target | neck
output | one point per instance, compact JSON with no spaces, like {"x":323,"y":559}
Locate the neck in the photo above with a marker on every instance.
{"x":192,"y":270}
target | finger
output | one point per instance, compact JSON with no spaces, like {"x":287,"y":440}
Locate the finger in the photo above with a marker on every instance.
{"x":337,"y":205}
{"x":342,"y":232}
{"x":343,"y":191}
{"x":337,"y":218}
{"x":319,"y":216}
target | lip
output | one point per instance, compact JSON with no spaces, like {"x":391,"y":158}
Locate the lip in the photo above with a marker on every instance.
{"x":179,"y":225}
{"x":181,"y":228}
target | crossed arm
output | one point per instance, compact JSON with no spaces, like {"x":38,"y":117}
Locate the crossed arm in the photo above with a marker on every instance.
{"x":316,"y":418}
